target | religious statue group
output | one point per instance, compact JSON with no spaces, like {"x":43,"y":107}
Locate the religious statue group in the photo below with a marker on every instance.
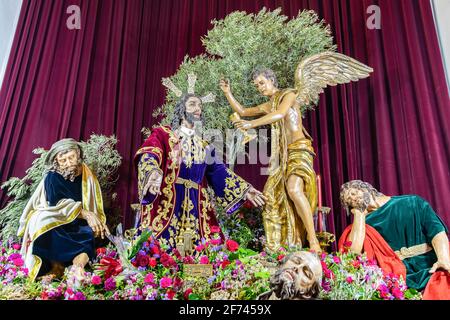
{"x":176,"y":169}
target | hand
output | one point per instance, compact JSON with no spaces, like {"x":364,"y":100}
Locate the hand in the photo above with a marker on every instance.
{"x":243,"y":124}
{"x":98,"y":227}
{"x":154,"y":183}
{"x":225,"y":85}
{"x":256,"y":197}
{"x":444,"y":265}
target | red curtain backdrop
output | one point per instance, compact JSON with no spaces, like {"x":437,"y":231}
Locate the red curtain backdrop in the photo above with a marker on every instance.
{"x":391,"y":130}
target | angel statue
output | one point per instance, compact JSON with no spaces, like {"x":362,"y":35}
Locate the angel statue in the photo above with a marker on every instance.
{"x":291,"y":188}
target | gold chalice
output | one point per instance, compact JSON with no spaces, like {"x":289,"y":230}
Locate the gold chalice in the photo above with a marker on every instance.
{"x":247,"y":136}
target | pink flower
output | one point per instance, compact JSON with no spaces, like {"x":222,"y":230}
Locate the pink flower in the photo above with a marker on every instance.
{"x":96,"y":280}
{"x":398,"y":294}
{"x":188,"y":260}
{"x":204,"y":260}
{"x":79,"y":296}
{"x":165,"y":282}
{"x":215,"y":229}
{"x":349,"y":279}
{"x":110,"y":284}
{"x":336,"y":260}
{"x":216,"y":242}
{"x":149,"y":278}
{"x":16,"y":246}
{"x":199,"y":248}
{"x":18,"y":262}
{"x":232,"y":245}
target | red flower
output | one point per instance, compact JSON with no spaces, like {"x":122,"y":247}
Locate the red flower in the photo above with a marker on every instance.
{"x":347,"y":244}
{"x":101,"y":251}
{"x":356,"y":264}
{"x":280,"y":257}
{"x":177,"y":283}
{"x":187,"y":293}
{"x":167,"y":260}
{"x":152,"y":262}
{"x":44,"y":295}
{"x":232,"y":245}
{"x":215,"y":229}
{"x":111,"y":267}
{"x":142,"y":260}
{"x":349,"y":279}
{"x":177,"y":253}
{"x":225,"y":263}
{"x":155,"y":250}
{"x":324,"y":265}
{"x":170,"y":294}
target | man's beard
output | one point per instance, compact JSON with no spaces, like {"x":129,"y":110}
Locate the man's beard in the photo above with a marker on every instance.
{"x":69,"y":173}
{"x":282,"y":286}
{"x":192,"y":118}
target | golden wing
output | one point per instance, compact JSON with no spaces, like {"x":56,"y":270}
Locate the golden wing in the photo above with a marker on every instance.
{"x":328,"y":68}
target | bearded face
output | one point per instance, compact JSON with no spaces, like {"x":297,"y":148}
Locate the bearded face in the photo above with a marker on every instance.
{"x":68,"y":164}
{"x":193,"y":110}
{"x":298,"y":277}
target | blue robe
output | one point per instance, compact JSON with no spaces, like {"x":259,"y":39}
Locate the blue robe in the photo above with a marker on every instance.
{"x":64,"y":243}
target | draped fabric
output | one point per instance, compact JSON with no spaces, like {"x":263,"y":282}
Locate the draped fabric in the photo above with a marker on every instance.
{"x":391,"y":130}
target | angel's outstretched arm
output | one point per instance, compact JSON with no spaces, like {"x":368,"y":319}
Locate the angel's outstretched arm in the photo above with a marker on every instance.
{"x":237,"y":107}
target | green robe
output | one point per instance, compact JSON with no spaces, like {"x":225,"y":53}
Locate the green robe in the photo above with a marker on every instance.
{"x":406,"y":221}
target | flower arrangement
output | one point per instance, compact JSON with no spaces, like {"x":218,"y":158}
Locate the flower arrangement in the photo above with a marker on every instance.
{"x":154,"y":272}
{"x":348,"y":276}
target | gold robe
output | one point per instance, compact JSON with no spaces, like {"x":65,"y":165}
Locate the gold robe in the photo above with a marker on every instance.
{"x":282,"y":224}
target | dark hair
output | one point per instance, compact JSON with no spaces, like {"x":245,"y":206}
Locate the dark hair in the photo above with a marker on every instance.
{"x":359,"y":185}
{"x":179,"y":111}
{"x":267,"y":73}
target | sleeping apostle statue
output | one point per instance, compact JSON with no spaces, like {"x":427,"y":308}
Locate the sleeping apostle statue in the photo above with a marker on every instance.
{"x":64,"y":214}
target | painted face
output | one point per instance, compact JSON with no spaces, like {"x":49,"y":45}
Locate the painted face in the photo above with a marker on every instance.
{"x":303,"y":269}
{"x":264,"y":85}
{"x":355,"y":198}
{"x":68,"y":159}
{"x":194,"y":107}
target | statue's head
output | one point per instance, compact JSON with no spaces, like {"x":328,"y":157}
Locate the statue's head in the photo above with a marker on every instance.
{"x":189,"y":108}
{"x":358,"y":194}
{"x":299,"y":277}
{"x":265,"y":81}
{"x":65,"y":157}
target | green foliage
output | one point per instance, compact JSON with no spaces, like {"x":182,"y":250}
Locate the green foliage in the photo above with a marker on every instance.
{"x":99,"y":154}
{"x":238,"y":44}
